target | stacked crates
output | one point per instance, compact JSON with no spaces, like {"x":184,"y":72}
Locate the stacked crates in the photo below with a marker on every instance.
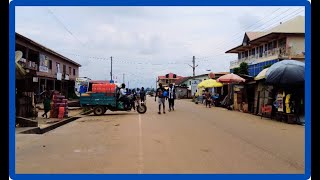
{"x":59,"y":106}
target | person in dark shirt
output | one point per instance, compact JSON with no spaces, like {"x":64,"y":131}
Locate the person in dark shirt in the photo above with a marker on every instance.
{"x":161,"y":98}
{"x":171,"y":97}
{"x":142,"y":95}
{"x":46,"y":106}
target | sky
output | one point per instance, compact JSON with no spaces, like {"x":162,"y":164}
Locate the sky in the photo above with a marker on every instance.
{"x":146,"y":41}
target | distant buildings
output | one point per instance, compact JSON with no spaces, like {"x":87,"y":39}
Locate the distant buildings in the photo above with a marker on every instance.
{"x":167,"y":79}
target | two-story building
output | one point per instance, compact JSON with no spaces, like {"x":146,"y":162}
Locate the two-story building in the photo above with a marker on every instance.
{"x":259,"y":49}
{"x":46,"y":69}
{"x":168,"y":79}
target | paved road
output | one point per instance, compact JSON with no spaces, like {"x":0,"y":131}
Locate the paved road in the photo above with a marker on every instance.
{"x":192,"y":139}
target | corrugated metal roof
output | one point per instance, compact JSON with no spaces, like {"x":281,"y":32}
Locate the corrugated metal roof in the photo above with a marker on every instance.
{"x":295,"y":25}
{"x":254,"y":35}
{"x":181,"y":80}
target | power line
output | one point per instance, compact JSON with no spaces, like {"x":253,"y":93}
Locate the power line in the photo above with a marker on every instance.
{"x":268,"y":27}
{"x":268,"y":15}
{"x":64,"y":26}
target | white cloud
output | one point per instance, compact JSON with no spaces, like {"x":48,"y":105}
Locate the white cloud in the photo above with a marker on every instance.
{"x":132,"y":35}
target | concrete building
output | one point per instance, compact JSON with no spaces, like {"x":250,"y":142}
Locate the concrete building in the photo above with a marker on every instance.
{"x":45,"y":68}
{"x":258,"y":49}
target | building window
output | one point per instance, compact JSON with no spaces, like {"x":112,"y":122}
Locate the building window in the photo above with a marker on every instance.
{"x":253,"y":51}
{"x":239,"y":55}
{"x":275,"y":44}
{"x":246,"y":54}
{"x":260,"y":51}
{"x":50,"y":64}
{"x":70,"y":70}
{"x":266,"y":47}
{"x":64,"y":69}
{"x":282,"y":42}
{"x":189,"y":82}
{"x":74,"y":71}
{"x":270,"y":46}
{"x":58,"y":67}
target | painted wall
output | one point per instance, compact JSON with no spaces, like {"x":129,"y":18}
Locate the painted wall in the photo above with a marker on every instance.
{"x":296,"y":45}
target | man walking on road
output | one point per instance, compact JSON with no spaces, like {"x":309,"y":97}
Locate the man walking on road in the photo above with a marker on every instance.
{"x":171,"y":97}
{"x":161,"y":98}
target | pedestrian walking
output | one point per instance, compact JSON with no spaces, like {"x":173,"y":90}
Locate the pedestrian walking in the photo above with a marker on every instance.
{"x":171,"y":97}
{"x":161,"y":98}
{"x":46,"y":106}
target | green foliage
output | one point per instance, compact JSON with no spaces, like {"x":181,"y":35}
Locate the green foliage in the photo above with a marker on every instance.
{"x":236,"y":70}
{"x":243,"y":69}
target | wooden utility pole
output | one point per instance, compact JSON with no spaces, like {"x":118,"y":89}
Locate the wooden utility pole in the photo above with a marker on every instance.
{"x":111,"y":68}
{"x":193,"y":66}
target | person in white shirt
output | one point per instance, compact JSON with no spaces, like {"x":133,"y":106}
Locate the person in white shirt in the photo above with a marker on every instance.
{"x":123,"y":96}
{"x":171,"y":97}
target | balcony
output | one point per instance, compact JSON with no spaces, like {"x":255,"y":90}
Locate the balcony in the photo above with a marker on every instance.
{"x":275,"y":53}
{"x":26,"y":64}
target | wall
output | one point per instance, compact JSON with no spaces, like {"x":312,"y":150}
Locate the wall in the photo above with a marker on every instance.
{"x":181,"y":92}
{"x":51,"y":72}
{"x":297,"y":43}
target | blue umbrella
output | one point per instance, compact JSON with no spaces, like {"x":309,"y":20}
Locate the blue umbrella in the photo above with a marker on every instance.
{"x":286,"y":72}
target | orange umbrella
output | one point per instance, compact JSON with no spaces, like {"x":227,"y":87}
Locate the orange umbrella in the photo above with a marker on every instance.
{"x":230,"y":78}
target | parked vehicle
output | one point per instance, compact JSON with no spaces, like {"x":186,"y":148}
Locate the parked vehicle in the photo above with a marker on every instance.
{"x":101,"y":102}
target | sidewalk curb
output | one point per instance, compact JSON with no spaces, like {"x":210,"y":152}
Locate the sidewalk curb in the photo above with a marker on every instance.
{"x":38,"y":130}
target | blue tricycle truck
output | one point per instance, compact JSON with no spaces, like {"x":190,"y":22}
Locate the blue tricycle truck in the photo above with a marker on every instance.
{"x":101,"y":102}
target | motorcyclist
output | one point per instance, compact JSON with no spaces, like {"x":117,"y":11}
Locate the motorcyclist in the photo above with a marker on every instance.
{"x":123,"y":97}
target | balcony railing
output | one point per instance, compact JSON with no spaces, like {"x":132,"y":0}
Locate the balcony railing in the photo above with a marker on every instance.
{"x":281,"y":52}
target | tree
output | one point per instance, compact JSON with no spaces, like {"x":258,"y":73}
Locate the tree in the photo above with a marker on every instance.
{"x":243,"y":69}
{"x":236,"y":70}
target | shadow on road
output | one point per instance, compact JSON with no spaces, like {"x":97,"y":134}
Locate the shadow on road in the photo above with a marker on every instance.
{"x":115,"y":114}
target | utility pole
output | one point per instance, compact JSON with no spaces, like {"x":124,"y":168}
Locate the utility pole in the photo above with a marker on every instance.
{"x":193,"y":66}
{"x":123,"y":78}
{"x":111,"y":68}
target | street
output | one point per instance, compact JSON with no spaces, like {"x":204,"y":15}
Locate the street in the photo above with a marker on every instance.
{"x":191,"y":139}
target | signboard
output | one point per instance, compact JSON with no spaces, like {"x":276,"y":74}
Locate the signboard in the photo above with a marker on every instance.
{"x":44,"y":63}
{"x":81,"y":86}
{"x":194,"y":84}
